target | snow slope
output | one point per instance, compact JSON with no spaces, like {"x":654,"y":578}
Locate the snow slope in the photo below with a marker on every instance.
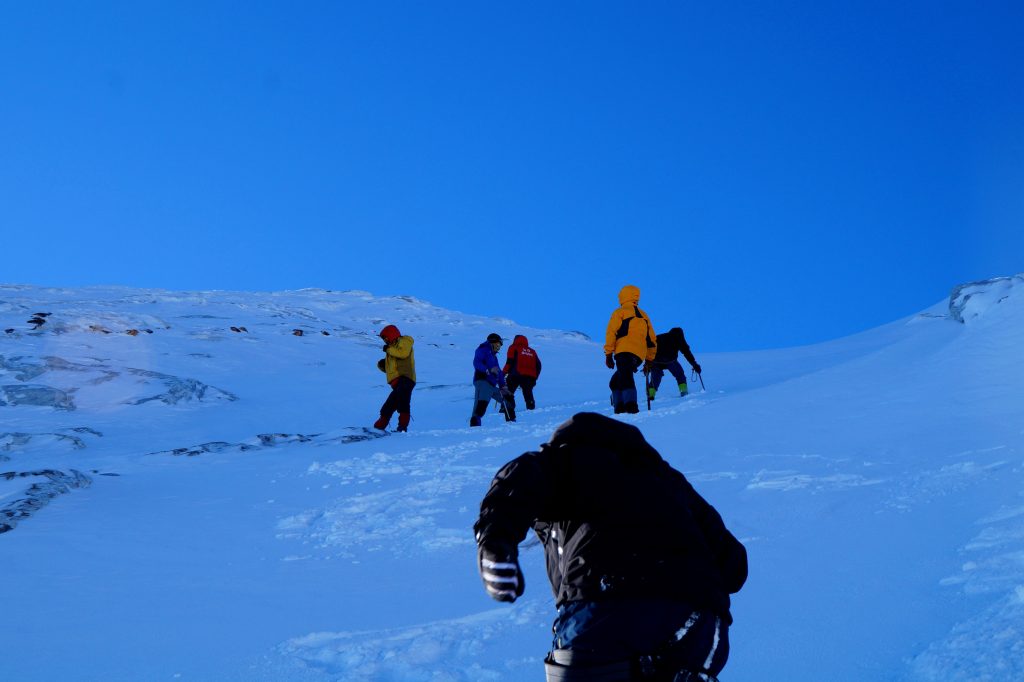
{"x":196,"y":503}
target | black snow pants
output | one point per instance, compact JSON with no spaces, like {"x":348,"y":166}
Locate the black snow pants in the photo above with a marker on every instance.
{"x":515,"y":381}
{"x":400,"y":399}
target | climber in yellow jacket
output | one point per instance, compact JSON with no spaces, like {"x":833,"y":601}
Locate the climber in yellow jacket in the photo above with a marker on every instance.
{"x":630,"y":342}
{"x":399,"y":366}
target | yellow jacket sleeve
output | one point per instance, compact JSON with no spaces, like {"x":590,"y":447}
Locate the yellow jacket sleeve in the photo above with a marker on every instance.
{"x":613,"y":327}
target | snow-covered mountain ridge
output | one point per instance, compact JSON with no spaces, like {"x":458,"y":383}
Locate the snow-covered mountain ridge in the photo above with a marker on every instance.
{"x":190,"y":490}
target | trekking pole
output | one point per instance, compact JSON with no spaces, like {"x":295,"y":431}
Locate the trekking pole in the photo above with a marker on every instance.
{"x":647,"y":387}
{"x":504,"y":404}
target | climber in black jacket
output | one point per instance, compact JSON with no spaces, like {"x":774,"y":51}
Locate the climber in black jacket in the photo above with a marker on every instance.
{"x":640,"y":564}
{"x":670,"y":345}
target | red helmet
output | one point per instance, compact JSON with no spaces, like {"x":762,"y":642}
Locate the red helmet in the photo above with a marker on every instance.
{"x":390,"y":333}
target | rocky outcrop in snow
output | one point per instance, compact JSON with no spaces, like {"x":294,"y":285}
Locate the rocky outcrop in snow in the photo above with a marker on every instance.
{"x":37,"y":395}
{"x":19,"y":441}
{"x":39,"y":494}
{"x":172,"y":389}
{"x":974,"y":299}
{"x":344,"y":436}
{"x":180,"y":389}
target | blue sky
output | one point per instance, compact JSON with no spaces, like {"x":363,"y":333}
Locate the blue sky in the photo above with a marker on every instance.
{"x":769,"y":174}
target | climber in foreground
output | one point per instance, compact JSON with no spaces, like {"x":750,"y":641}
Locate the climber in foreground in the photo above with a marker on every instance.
{"x":399,"y":366}
{"x":641,"y":566}
{"x":630,"y":342}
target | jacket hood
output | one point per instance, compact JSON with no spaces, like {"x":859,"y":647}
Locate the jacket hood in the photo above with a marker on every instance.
{"x":590,"y":429}
{"x":520,"y":341}
{"x":629,"y":295}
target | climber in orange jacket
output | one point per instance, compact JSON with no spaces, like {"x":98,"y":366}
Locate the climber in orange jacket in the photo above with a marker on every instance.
{"x":630,"y":343}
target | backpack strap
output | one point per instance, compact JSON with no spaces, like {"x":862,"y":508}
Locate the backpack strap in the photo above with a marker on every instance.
{"x":623,"y":328}
{"x":650,"y":342}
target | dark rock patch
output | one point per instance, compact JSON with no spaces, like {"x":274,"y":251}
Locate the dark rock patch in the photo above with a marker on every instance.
{"x":38,"y":495}
{"x":355,"y":434}
{"x":16,"y":440}
{"x":272,"y":439}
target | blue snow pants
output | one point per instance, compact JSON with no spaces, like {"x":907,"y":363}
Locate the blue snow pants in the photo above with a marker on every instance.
{"x":674,"y":368}
{"x":622,"y":384}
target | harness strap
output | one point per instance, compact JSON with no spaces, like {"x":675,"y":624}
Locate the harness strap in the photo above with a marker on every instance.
{"x":566,"y":665}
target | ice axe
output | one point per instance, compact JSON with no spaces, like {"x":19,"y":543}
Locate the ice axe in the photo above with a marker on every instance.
{"x":695,"y":372}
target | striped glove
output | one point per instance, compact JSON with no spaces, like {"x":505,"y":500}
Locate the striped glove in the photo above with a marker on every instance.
{"x":499,"y":568}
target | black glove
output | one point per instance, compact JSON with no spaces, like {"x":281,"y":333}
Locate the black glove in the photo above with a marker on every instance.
{"x":380,"y":365}
{"x":385,"y":348}
{"x":499,"y":568}
{"x":609,"y":361}
{"x":696,"y":368}
{"x":505,"y":392}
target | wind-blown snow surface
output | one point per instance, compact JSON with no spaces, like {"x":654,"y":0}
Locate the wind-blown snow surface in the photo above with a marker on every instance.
{"x":196,"y":503}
